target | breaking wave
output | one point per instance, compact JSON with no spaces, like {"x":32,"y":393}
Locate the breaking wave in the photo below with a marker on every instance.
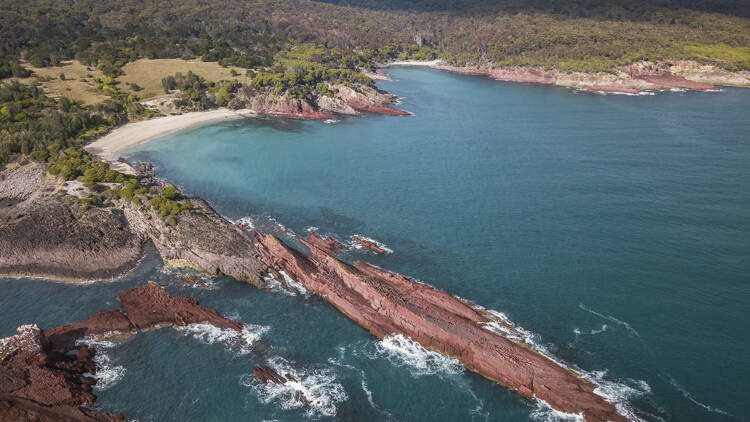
{"x":294,"y":287}
{"x":315,"y":389}
{"x":403,"y":351}
{"x":381,"y":245}
{"x":107,"y":373}
{"x":191,"y":278}
{"x":239,"y":342}
{"x":617,"y":393}
{"x":544,"y":413}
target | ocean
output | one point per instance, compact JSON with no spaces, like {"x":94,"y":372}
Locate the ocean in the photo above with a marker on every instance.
{"x":614,"y":229}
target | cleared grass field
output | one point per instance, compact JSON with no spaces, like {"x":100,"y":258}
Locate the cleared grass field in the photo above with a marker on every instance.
{"x":78,"y":83}
{"x":148,"y":73}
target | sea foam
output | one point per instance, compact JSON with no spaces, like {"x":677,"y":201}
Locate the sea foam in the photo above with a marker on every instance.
{"x":617,"y":393}
{"x":239,"y":342}
{"x":318,"y":386}
{"x":107,"y":373}
{"x":403,"y":351}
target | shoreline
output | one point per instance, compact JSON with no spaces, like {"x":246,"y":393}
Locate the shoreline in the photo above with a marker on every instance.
{"x":635,"y":79}
{"x":111,"y":146}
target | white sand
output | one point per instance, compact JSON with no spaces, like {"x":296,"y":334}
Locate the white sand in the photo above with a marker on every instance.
{"x":110,"y":146}
{"x":427,"y":63}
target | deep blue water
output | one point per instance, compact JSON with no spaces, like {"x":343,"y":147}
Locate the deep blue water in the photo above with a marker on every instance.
{"x":615,"y":228}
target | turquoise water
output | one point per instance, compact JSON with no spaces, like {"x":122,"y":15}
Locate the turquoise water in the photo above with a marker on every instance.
{"x":614,"y":228}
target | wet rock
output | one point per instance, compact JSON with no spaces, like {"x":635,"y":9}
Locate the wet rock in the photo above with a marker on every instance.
{"x":369,"y":244}
{"x":264,"y":375}
{"x":38,"y":383}
{"x":327,"y":243}
{"x":385,"y":303}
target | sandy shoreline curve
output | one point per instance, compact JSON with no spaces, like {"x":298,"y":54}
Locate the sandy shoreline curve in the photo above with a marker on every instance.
{"x":427,"y":63}
{"x":110,"y":146}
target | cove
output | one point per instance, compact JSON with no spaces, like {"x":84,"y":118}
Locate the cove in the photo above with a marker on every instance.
{"x":615,"y":228}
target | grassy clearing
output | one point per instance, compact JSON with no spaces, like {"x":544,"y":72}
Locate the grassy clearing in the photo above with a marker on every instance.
{"x":78,"y":82}
{"x":148,"y":73}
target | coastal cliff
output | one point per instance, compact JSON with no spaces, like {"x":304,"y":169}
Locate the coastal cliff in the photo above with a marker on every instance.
{"x":631,"y":79}
{"x":341,"y":100}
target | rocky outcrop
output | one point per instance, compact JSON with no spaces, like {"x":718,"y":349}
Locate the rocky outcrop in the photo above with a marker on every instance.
{"x":38,"y":383}
{"x":344,"y":100}
{"x":385,"y":303}
{"x":632,"y":79}
{"x":57,"y":238}
{"x":145,"y":308}
{"x":45,"y":375}
{"x":287,"y":107}
{"x":327,"y":243}
{"x":50,"y":234}
{"x":201,"y":240}
{"x":149,"y":306}
{"x":369,"y":99}
{"x":662,"y":75}
{"x":266,"y":375}
{"x":368,"y":244}
{"x":611,"y":89}
{"x":20,"y":182}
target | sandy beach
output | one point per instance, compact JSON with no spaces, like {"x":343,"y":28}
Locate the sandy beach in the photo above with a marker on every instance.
{"x":110,"y":146}
{"x":428,"y":63}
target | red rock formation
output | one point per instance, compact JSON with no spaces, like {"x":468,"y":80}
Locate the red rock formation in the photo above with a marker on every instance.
{"x":150,"y":305}
{"x":369,"y":99}
{"x":38,"y":383}
{"x":377,"y":108}
{"x":327,"y":243}
{"x":41,"y":380}
{"x":508,"y":74}
{"x":614,"y":88}
{"x":265,"y":375}
{"x":368,"y":244}
{"x":674,"y":81}
{"x":385,"y":303}
{"x":660,"y":74}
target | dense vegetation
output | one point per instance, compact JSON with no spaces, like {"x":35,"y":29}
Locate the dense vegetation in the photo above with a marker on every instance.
{"x":33,"y":123}
{"x":300,"y":46}
{"x":74,"y":163}
{"x":571,"y":34}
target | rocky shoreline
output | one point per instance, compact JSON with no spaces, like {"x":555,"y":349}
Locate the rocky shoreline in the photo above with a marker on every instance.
{"x":47,"y":233}
{"x":46,"y":375}
{"x":637,"y":78}
{"x":382,"y":302}
{"x":386,"y":303}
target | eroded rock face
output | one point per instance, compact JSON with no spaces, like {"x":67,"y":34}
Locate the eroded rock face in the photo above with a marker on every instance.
{"x":38,"y":383}
{"x":54,"y":237}
{"x":201,"y":240}
{"x":368,"y":244}
{"x":43,"y":373}
{"x":150,"y":305}
{"x":327,"y":244}
{"x":385,"y":303}
{"x":631,"y":79}
{"x":45,"y":233}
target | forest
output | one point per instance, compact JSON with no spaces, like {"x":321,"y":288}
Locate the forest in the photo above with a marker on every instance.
{"x":297,"y":46}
